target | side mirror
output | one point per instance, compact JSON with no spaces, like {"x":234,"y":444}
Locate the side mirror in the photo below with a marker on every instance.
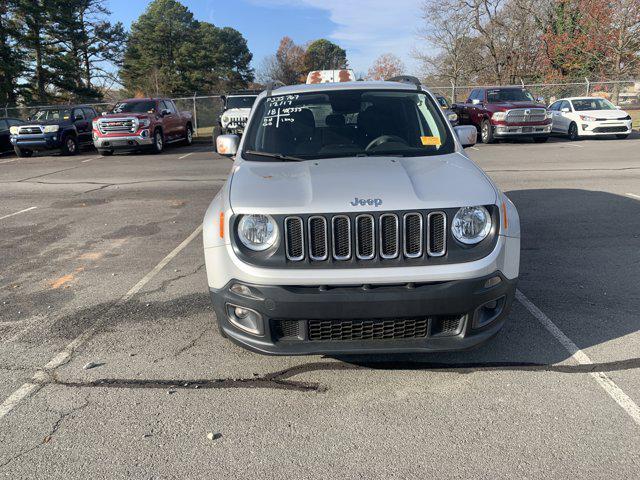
{"x":454,"y":106}
{"x":78,"y":117}
{"x":227,"y":145}
{"x":565,"y":110}
{"x":467,"y":134}
{"x":165,"y":112}
{"x":475,"y":101}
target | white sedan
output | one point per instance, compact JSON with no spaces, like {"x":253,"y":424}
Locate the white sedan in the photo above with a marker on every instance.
{"x":589,"y":116}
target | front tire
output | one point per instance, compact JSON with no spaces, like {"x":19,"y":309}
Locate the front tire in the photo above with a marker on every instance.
{"x":486,"y":132}
{"x":188,"y":139}
{"x":158,"y":142}
{"x":20,"y":152}
{"x":622,"y":136}
{"x":573,"y":132}
{"x":69,"y":145}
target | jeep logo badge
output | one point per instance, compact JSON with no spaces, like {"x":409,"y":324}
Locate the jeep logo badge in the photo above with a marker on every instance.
{"x":376,"y":202}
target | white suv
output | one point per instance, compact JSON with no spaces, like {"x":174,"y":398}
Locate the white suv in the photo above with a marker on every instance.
{"x":353,"y":222}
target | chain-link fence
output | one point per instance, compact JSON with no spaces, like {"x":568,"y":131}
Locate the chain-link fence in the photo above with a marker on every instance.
{"x":626,"y":93}
{"x":206,"y":109}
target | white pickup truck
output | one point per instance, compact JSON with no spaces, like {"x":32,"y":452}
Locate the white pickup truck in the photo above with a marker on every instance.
{"x":353,"y":222}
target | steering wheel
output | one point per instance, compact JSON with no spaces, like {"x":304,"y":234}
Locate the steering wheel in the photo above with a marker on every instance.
{"x":384,"y":139}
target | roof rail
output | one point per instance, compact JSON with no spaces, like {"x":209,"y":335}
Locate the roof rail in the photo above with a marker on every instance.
{"x":272,"y":86}
{"x":406,"y":79}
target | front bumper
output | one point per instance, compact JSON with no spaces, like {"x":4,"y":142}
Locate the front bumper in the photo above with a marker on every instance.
{"x":604,"y":128}
{"x":122,"y":141}
{"x":521,"y":130}
{"x":39,"y":142}
{"x":296,"y":319}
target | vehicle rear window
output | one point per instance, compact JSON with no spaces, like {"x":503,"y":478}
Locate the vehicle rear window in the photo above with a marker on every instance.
{"x":345,"y":123}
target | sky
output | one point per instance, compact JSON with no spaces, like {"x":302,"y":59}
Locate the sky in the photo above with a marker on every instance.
{"x":365,"y":28}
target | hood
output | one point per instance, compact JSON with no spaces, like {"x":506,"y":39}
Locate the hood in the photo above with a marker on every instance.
{"x":33,"y":123}
{"x":237,"y":112}
{"x":510,"y":105}
{"x":335,"y":185}
{"x":608,"y":114}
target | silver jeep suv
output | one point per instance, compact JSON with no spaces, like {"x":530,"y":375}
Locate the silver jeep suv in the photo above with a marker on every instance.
{"x":353,"y":222}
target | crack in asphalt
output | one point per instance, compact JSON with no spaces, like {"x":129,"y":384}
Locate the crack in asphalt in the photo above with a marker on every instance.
{"x":282,"y":380}
{"x":165,"y":283}
{"x":52,"y":431}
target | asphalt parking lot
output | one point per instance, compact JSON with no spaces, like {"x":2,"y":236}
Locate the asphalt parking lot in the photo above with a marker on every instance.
{"x":101,"y":261}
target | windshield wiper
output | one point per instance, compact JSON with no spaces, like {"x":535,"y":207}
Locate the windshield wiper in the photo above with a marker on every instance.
{"x":278,"y":156}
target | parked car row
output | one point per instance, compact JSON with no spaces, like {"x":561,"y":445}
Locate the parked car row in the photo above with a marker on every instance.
{"x":512,"y":112}
{"x":132,"y":124}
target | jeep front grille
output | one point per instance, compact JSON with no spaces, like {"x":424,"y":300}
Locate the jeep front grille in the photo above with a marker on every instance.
{"x":385,"y":236}
{"x":523,"y":115}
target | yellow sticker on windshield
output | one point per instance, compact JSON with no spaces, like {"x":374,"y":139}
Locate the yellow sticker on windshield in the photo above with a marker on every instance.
{"x":431,"y":141}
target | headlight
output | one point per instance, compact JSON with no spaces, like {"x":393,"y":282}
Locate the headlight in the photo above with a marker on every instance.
{"x":257,"y":232}
{"x":499,"y":116}
{"x":51,"y":128}
{"x":224,"y":120}
{"x":144,"y":122}
{"x":94,"y":124}
{"x":14,"y":130}
{"x":587,"y":118}
{"x":453,"y":117}
{"x":471,"y":225}
{"x":628,"y":117}
{"x":549,"y":115}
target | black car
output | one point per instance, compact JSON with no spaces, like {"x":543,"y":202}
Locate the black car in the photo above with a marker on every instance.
{"x":65,"y":129}
{"x":450,"y":114}
{"x":5,"y":135}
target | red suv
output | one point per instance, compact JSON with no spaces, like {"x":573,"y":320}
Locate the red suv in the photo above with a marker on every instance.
{"x":142,"y":122}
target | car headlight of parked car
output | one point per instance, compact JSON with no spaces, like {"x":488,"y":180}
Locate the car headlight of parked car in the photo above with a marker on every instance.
{"x":471,"y":225}
{"x":549,"y":115}
{"x":587,"y":118}
{"x":14,"y":130}
{"x":144,"y":122}
{"x":453,"y":117}
{"x":628,"y":117}
{"x":499,"y":116}
{"x":257,"y":232}
{"x":51,"y":128}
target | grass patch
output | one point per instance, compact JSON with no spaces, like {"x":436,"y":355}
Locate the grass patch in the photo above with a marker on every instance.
{"x":635,"y":117}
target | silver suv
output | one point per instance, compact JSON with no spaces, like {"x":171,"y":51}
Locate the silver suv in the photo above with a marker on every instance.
{"x":353,"y":222}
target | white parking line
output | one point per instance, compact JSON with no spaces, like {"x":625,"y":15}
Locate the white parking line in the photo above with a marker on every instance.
{"x":474,"y":148}
{"x":573,"y":145}
{"x":581,"y":358}
{"x":633,"y":195}
{"x":63,"y":356}
{"x":89,"y":159}
{"x":8,"y":161}
{"x":16,"y":213}
{"x":185,"y":156}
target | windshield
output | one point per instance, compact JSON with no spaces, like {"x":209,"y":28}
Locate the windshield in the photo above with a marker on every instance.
{"x":347,"y":123}
{"x":146,"y":106}
{"x":241,"y":102}
{"x":443,"y":102}
{"x":509,"y":95}
{"x":584,"y":104}
{"x":50,"y":114}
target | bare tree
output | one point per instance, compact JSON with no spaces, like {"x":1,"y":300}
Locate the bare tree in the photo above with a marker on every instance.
{"x":386,"y":66}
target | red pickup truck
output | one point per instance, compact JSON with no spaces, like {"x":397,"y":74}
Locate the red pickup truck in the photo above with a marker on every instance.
{"x":505,"y":112}
{"x":141,"y":122}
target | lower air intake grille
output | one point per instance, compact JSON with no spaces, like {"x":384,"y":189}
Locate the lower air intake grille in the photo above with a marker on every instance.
{"x":446,"y":326}
{"x":283,"y":329}
{"x":323,"y":330}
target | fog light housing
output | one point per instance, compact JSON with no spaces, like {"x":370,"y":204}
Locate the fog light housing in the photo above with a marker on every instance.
{"x":488,"y":312}
{"x":144,"y":133}
{"x":245,"y":319}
